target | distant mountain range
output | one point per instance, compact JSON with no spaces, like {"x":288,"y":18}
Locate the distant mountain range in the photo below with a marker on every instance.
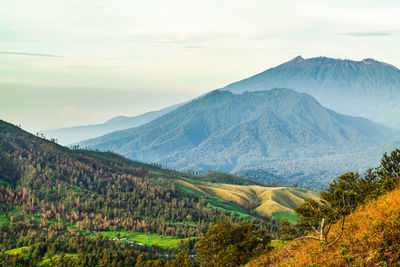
{"x":233,"y":132}
{"x":366,"y":88}
{"x":70,"y":135}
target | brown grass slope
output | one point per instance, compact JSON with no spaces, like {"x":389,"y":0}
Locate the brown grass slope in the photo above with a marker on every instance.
{"x":371,"y":238}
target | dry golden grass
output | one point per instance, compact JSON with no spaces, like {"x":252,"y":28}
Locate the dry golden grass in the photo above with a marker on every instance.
{"x":265,"y":200}
{"x":371,"y":238}
{"x":236,"y":196}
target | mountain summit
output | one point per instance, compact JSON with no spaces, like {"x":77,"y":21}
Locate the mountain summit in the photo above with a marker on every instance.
{"x":231,"y":132}
{"x":366,"y":88}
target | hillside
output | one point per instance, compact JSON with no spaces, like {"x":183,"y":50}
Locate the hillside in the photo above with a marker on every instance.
{"x":371,"y":238}
{"x":79,"y":207}
{"x":87,"y":195}
{"x":70,"y":135}
{"x":47,"y":171}
{"x":255,"y":130}
{"x":366,"y":88}
{"x":275,"y":202}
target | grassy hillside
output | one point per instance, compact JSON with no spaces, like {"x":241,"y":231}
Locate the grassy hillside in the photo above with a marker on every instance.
{"x":371,"y":238}
{"x":276,"y":202}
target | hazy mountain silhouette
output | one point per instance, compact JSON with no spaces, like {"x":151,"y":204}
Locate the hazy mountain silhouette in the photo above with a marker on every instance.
{"x":70,"y":135}
{"x":231,"y":132}
{"x":366,"y":88}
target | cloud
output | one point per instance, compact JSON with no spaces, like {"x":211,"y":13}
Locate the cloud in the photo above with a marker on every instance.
{"x":368,"y":34}
{"x":193,"y":46}
{"x":28,"y":54}
{"x":85,"y":67}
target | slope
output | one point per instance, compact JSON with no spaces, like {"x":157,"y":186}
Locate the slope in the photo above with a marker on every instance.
{"x":366,"y":88}
{"x":231,"y":132}
{"x":85,"y":191}
{"x":371,"y":238}
{"x":276,"y":202}
{"x":70,"y":135}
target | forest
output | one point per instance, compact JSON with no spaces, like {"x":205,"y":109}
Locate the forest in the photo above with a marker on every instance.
{"x":73,"y":207}
{"x":57,"y":205}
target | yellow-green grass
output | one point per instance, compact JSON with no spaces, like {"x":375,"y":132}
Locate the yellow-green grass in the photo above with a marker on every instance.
{"x":56,"y":258}
{"x":17,"y":251}
{"x":277,"y":202}
{"x":142,"y":238}
{"x":276,"y":243}
{"x":201,"y":189}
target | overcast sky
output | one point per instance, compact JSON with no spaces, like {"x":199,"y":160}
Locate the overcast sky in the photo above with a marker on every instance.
{"x":70,"y":62}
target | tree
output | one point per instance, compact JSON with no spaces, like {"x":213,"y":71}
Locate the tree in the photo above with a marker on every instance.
{"x":338,"y":201}
{"x":182,"y":260}
{"x":229,"y":244}
{"x":287,"y":231}
{"x":389,"y":171}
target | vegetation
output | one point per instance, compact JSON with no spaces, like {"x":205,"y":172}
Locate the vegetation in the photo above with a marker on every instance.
{"x":62,"y":207}
{"x":356,"y":222}
{"x":76,"y":207}
{"x":276,"y":202}
{"x":229,"y":244}
{"x":278,"y":137}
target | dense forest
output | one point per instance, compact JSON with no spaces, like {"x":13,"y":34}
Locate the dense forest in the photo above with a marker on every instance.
{"x":73,"y":207}
{"x":56,"y":203}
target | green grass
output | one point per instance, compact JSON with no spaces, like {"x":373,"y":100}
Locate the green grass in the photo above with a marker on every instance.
{"x":228,"y":207}
{"x":4,"y":182}
{"x":17,"y":251}
{"x":290,"y":215}
{"x":218,"y":203}
{"x":155,"y":239}
{"x":4,"y":218}
{"x":56,"y":258}
{"x":300,"y":190}
{"x":276,"y":243}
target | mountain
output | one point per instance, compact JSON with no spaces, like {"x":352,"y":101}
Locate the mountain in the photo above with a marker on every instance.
{"x":366,"y":88}
{"x":231,"y":132}
{"x":70,"y":135}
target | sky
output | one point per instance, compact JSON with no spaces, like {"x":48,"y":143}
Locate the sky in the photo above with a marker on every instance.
{"x":70,"y":62}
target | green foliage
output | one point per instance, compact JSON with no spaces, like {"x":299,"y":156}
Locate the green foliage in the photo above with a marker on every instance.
{"x":182,"y":260}
{"x":389,"y":171}
{"x":287,"y":231}
{"x":230,"y":244}
{"x":289,"y":215}
{"x":56,"y":198}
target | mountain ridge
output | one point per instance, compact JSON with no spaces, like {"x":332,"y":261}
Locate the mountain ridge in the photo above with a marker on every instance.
{"x":223,"y":131}
{"x":367,"y":88}
{"x":70,"y":135}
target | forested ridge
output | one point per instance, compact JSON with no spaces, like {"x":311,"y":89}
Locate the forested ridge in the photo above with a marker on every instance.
{"x":73,"y":207}
{"x":55,"y":202}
